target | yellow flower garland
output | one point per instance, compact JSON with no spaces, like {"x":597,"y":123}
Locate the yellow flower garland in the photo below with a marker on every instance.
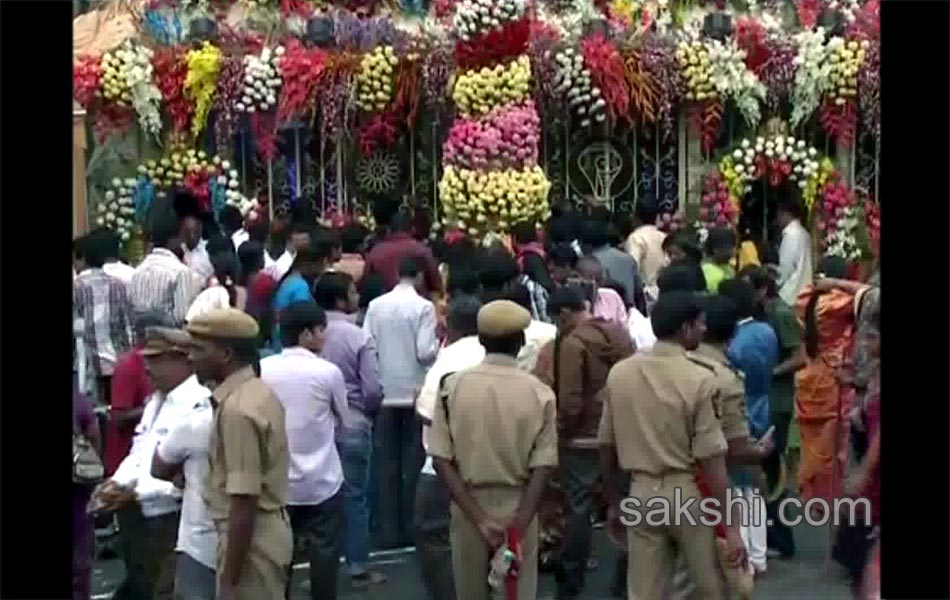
{"x":200,"y":83}
{"x":376,"y":81}
{"x":481,"y":202}
{"x":478,"y":92}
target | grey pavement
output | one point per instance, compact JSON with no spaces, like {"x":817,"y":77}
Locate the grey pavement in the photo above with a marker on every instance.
{"x":805,"y":575}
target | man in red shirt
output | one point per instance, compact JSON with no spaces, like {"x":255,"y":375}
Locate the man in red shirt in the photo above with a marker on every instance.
{"x":386,"y":256}
{"x":131,"y":387}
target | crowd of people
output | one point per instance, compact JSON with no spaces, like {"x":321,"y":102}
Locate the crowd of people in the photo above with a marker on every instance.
{"x":533,"y":382}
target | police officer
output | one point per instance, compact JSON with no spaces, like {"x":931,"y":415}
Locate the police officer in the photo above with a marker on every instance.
{"x":494,"y":444}
{"x":661,"y":422}
{"x":247,"y":486}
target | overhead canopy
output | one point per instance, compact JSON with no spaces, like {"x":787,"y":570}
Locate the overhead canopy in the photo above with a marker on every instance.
{"x":101,"y":30}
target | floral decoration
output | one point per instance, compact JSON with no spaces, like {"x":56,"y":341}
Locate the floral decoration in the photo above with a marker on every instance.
{"x":573,"y":82}
{"x":116,"y":210}
{"x":376,"y":80}
{"x":497,"y":45}
{"x":473,"y":17}
{"x":378,"y":173}
{"x":505,"y":138}
{"x":607,"y":72}
{"x":201,"y":83}
{"x":300,"y":69}
{"x":479,"y":201}
{"x":839,"y":111}
{"x":261,"y":81}
{"x":171,"y":71}
{"x":477,"y":92}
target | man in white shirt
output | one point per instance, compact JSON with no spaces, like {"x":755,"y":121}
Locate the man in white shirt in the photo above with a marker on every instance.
{"x":313,"y":393}
{"x":149,"y":527}
{"x":403,"y":324}
{"x":794,"y":254}
{"x":645,"y":245}
{"x":185,"y":450}
{"x":196,"y":249}
{"x":114,"y":267}
{"x":431,"y":511}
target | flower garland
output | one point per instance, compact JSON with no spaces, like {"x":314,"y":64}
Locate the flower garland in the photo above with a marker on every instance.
{"x":230,"y":87}
{"x":87,"y":79}
{"x":573,"y":81}
{"x":473,"y":17}
{"x":376,"y":80}
{"x":212,"y":180}
{"x":145,"y":96}
{"x":497,"y":45}
{"x":300,"y":70}
{"x":262,"y":81}
{"x":200,"y":83}
{"x":734,"y":81}
{"x":116,"y":211}
{"x":811,"y":75}
{"x":838,"y":221}
{"x":869,"y":89}
{"x":839,"y":110}
{"x":776,"y":159}
{"x":506,"y":138}
{"x":171,"y":71}
{"x":480,"y":202}
{"x":704,"y":105}
{"x":477,"y":92}
{"x":607,"y":71}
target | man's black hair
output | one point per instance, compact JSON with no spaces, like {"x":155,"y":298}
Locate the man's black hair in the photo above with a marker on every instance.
{"x":646,"y":213}
{"x":246,"y":351}
{"x":463,"y":280}
{"x":324,"y":241}
{"x":524,"y":232}
{"x":721,"y":318}
{"x":331,"y":287}
{"x":833,"y":266}
{"x":720,"y":237}
{"x":686,"y":242}
{"x":219,"y":244}
{"x":497,"y":270}
{"x":790,"y":205}
{"x":99,"y":246}
{"x":258,"y":231}
{"x":251,"y":257}
{"x":164,"y":229}
{"x":519,"y":294}
{"x":410,"y":267}
{"x":741,"y":293}
{"x":563,"y":255}
{"x":673,"y":310}
{"x":352,"y":238}
{"x":186,"y":205}
{"x":231,"y":219}
{"x":298,"y":317}
{"x":462,"y":315}
{"x":595,"y":233}
{"x":565,"y":297}
{"x":760,"y":278}
{"x":681,"y":276}
{"x":301,"y":226}
{"x":400,"y":223}
{"x":372,"y":286}
{"x":562,"y":230}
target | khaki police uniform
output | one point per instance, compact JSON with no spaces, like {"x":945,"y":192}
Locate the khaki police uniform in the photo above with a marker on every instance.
{"x":496,"y":423}
{"x":248,"y":456}
{"x":730,"y":386}
{"x":662,"y":415}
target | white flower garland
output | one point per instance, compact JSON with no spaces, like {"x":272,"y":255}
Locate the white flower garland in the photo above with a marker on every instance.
{"x":117,"y":211}
{"x":804,"y":159}
{"x":573,"y":80}
{"x":733,"y":80}
{"x":146,"y":97}
{"x":262,"y":81}
{"x":843,"y":240}
{"x":473,"y":17}
{"x":812,"y":74}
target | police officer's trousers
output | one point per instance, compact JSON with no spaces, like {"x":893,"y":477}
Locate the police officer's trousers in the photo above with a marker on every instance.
{"x":471,"y":557}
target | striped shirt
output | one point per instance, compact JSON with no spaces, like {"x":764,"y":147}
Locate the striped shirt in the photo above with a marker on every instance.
{"x":164,"y":283}
{"x":101,"y":303}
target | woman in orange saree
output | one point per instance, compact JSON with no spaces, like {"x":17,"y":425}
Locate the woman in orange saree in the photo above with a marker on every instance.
{"x":823,"y":393}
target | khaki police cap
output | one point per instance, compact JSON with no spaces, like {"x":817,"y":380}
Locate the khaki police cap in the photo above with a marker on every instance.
{"x":226,"y":323}
{"x":165,"y":340}
{"x":502,"y":317}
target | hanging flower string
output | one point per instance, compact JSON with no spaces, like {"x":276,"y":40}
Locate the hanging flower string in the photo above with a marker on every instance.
{"x":497,"y":45}
{"x":839,"y":110}
{"x":230,"y":84}
{"x":145,"y":96}
{"x":87,"y":77}
{"x":200,"y":83}
{"x":300,"y":69}
{"x":171,"y":71}
{"x":607,"y":73}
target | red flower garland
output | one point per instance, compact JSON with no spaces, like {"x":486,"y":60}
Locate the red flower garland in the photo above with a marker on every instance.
{"x":496,"y":46}
{"x":196,"y":182}
{"x":716,"y":209}
{"x":300,"y":68}
{"x":112,"y":119}
{"x":750,"y":36}
{"x":87,"y":77}
{"x":379,"y":132}
{"x":171,"y":70}
{"x":264,"y":130}
{"x":607,"y":72}
{"x":839,"y":121}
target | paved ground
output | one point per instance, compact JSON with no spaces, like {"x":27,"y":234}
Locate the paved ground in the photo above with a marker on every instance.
{"x":804,"y":575}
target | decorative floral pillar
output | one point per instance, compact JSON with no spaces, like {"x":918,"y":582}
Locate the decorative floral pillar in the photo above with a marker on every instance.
{"x":491,"y":178}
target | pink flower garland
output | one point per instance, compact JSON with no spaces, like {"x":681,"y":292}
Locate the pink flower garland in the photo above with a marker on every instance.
{"x":505,"y":138}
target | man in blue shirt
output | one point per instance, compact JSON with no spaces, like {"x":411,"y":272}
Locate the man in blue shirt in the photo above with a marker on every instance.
{"x":754,"y":351}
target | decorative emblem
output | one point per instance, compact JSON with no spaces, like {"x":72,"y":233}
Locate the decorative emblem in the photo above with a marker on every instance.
{"x":601,"y":172}
{"x":378,"y":174}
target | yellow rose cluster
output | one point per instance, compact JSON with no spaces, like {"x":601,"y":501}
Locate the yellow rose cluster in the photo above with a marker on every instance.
{"x":845,"y":60}
{"x":693,"y":58}
{"x":478,"y":92}
{"x":480,"y":202}
{"x":115,"y":86}
{"x":200,"y":83}
{"x":376,"y":80}
{"x":817,"y":181}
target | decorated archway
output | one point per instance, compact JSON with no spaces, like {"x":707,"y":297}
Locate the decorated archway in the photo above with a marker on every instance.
{"x":841,"y":219}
